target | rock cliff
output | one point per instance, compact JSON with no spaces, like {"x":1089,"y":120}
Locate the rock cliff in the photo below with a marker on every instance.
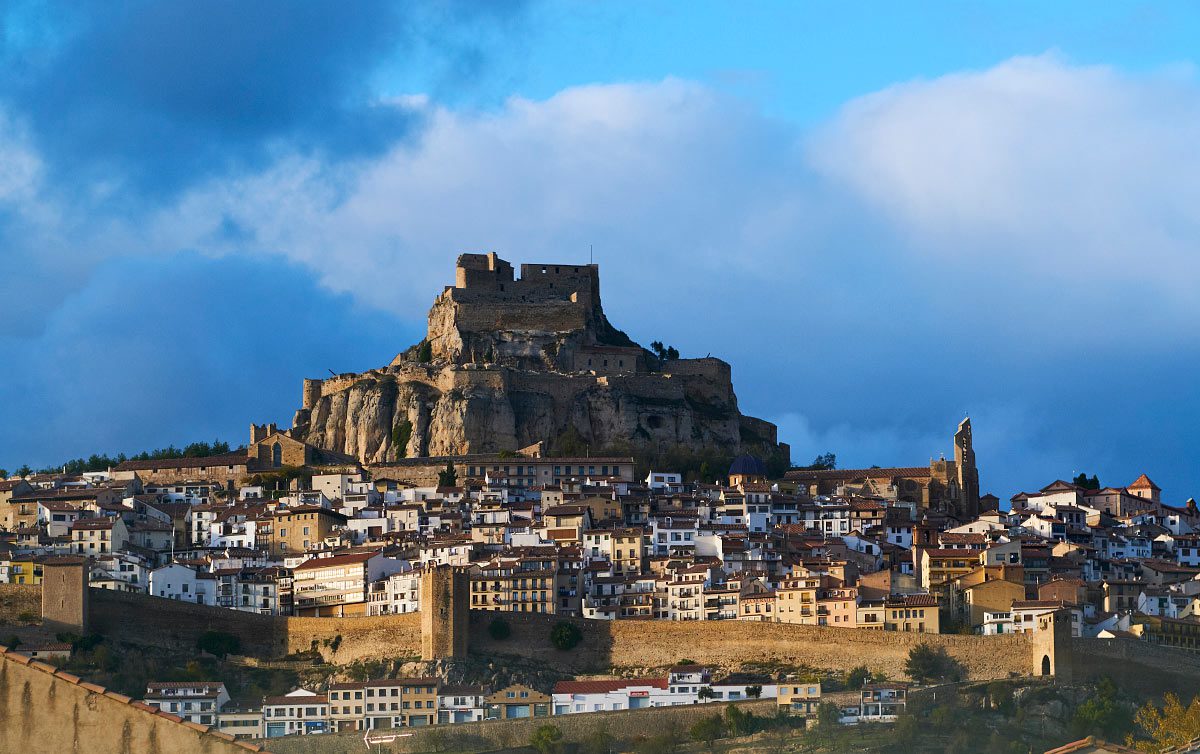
{"x":509,"y":362}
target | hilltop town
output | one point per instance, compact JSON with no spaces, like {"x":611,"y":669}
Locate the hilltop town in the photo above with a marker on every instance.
{"x":463,"y":457}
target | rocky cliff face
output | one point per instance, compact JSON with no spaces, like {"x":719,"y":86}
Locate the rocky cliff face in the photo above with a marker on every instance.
{"x":506,"y":369}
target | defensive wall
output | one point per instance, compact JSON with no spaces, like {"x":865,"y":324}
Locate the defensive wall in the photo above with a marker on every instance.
{"x":48,"y":711}
{"x":501,"y":734}
{"x":18,"y":600}
{"x":629,"y":646}
{"x":1130,"y":664}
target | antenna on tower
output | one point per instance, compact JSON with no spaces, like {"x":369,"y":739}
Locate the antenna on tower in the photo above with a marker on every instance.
{"x":590,"y":255}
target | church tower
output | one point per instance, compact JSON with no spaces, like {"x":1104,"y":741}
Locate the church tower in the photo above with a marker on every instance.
{"x":968,"y":474}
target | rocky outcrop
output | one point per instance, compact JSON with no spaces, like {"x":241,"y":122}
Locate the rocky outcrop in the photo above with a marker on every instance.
{"x":508,"y":363}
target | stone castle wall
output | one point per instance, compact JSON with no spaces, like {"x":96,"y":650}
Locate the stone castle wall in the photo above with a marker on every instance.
{"x":17,"y":600}
{"x":43,"y":711}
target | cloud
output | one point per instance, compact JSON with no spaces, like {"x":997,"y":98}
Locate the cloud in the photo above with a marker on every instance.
{"x":146,"y":96}
{"x":152,"y":352}
{"x":1011,"y":243}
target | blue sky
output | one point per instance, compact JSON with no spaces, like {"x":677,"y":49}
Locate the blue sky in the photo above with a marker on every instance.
{"x":883,"y":216}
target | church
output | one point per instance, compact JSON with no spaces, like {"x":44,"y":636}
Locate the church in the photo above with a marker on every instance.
{"x":950,"y":487}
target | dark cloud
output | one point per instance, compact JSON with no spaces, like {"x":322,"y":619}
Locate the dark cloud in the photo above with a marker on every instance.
{"x":159,"y":93}
{"x":165,"y":351}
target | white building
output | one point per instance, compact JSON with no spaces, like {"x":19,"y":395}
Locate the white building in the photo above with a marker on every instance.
{"x":194,"y":701}
{"x":183,"y":583}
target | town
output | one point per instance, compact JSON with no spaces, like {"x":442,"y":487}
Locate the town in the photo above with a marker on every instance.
{"x":909,"y":549}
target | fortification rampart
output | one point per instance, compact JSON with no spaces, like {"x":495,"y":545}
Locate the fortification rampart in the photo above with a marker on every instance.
{"x":19,"y":603}
{"x":44,"y":711}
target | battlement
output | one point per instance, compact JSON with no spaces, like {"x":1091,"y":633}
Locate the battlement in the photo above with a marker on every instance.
{"x":478,"y":275}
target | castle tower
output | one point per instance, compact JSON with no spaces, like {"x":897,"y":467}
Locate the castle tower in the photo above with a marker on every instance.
{"x":65,"y":595}
{"x":968,"y":474}
{"x":445,"y":612}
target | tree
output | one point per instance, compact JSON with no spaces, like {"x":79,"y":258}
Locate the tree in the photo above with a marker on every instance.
{"x":425,"y":352}
{"x":707,"y":730}
{"x":659,"y":350}
{"x":828,"y":716}
{"x":926,"y":663}
{"x":448,"y":477}
{"x":739,"y":722}
{"x":672,"y":353}
{"x":3,"y":473}
{"x":1088,"y":484}
{"x":823,"y":462}
{"x":546,"y":739}
{"x":24,"y":471}
{"x":499,"y":629}
{"x":565,"y":635}
{"x":705,"y":693}
{"x":1173,"y":725}
{"x":219,"y":643}
{"x":754,"y":692}
{"x":857,"y":677}
{"x":599,"y":741}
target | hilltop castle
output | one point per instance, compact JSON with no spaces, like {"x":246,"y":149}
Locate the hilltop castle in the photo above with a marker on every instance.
{"x":509,"y":362}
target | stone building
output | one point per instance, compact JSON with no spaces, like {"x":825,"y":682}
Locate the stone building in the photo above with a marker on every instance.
{"x":950,"y":486}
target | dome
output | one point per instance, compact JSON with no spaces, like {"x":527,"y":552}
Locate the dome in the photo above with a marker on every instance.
{"x":745,"y":465}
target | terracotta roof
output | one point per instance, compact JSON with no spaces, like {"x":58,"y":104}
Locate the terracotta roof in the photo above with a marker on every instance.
{"x":1143,"y":483}
{"x":902,"y":471}
{"x":336,"y":560}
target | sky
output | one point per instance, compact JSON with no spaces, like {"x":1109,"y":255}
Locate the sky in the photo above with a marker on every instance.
{"x":884,"y":216}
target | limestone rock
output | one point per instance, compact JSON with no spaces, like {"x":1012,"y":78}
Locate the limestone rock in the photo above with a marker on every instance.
{"x":512,"y":362}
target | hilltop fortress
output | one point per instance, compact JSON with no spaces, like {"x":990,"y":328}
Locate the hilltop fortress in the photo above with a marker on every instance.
{"x":511,"y":362}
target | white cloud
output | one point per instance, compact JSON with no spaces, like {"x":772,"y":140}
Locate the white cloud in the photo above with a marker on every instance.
{"x":1034,"y":167}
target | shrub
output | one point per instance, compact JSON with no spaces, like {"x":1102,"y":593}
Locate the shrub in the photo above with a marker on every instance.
{"x":499,"y":629}
{"x":739,"y":722}
{"x":546,"y":739}
{"x":857,"y":677}
{"x":707,"y":730}
{"x":565,"y":635}
{"x":926,"y":663}
{"x":219,"y":643}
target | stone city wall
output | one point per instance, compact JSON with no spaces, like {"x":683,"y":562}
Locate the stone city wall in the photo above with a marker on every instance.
{"x":623,"y":725}
{"x":19,"y":603}
{"x":44,"y":711}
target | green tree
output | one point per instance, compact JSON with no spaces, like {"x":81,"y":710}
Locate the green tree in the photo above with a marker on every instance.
{"x":24,"y":471}
{"x":219,"y":643}
{"x":828,"y":716}
{"x":401,"y":433}
{"x":3,"y":473}
{"x":857,"y":676}
{"x":738,"y":721}
{"x":565,"y":635}
{"x":1000,"y":696}
{"x":707,"y":730}
{"x":599,"y":741}
{"x":705,"y":693}
{"x":546,"y":739}
{"x":926,"y":663}
{"x":1088,"y":484}
{"x":823,"y":462}
{"x":499,"y":629}
{"x":1102,"y":715}
{"x":425,"y":352}
{"x":672,"y":353}
{"x":448,"y":477}
{"x":754,"y":692}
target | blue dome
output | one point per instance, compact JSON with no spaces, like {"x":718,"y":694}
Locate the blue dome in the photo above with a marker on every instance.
{"x":747,"y":466}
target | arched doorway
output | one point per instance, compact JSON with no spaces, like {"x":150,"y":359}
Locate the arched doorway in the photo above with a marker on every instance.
{"x":1045,"y":664}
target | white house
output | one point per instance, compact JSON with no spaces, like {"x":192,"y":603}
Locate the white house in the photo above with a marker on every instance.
{"x":180,"y":582}
{"x":194,"y":701}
